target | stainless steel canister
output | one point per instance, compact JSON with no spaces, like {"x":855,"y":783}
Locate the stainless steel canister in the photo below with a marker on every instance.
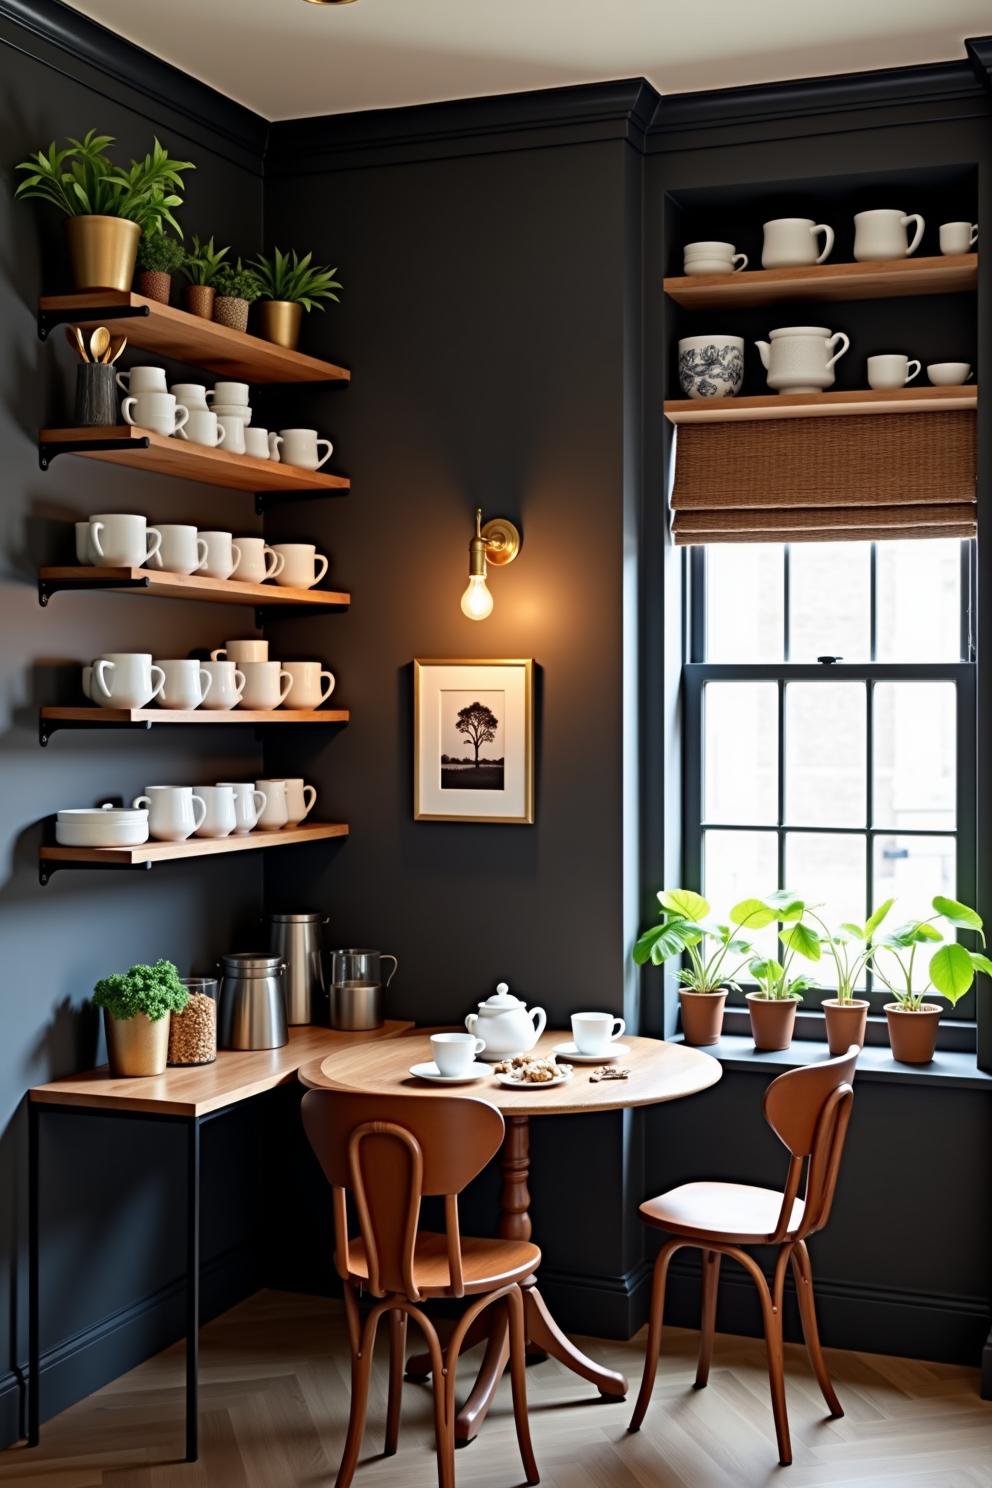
{"x":252,"y":1003}
{"x":297,"y":939}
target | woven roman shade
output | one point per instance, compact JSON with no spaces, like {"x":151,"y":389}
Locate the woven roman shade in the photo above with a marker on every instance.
{"x":845,"y":478}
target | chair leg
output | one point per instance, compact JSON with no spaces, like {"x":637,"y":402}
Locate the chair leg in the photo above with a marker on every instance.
{"x":654,"y":1331}
{"x":444,"y":1425}
{"x":397,"y":1354}
{"x":518,"y":1380}
{"x":361,"y":1369}
{"x":771,"y":1312}
{"x":707,"y":1326}
{"x":803,"y":1275}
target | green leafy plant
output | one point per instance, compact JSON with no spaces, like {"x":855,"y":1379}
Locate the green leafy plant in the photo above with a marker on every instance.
{"x":709,"y":945}
{"x":797,"y":938}
{"x":152,"y":990}
{"x":850,"y":947}
{"x":82,"y":180}
{"x":235,"y":282}
{"x":952,"y":968}
{"x":160,"y":254}
{"x":286,"y":276}
{"x":202,"y":263}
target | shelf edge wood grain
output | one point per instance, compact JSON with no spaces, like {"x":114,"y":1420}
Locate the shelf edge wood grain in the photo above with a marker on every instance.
{"x":189,"y":338}
{"x":821,"y":405}
{"x":883,"y":280}
{"x":160,"y":585}
{"x":194,"y":847}
{"x":95,"y":715}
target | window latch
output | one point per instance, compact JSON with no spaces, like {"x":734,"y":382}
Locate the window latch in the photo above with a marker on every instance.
{"x":829,"y":660}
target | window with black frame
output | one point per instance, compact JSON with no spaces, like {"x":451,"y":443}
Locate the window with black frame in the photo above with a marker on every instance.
{"x":830,"y":742}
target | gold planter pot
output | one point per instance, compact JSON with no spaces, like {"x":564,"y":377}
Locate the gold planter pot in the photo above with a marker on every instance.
{"x":102,"y":251}
{"x":279,"y":321}
{"x":137,"y":1046}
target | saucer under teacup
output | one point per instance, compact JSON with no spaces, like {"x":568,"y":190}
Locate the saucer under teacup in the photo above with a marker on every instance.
{"x":428,"y":1070}
{"x":572,"y":1052}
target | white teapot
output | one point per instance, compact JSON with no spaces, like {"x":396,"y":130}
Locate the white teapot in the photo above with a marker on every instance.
{"x":798,"y":359}
{"x":505,"y":1024}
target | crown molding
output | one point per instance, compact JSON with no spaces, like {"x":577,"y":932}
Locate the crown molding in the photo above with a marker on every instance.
{"x":979,"y":50}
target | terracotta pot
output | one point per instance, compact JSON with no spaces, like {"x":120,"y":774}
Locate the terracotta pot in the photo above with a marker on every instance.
{"x":772,"y":1020}
{"x":102,"y":251}
{"x":137,"y":1046}
{"x":279,"y":321}
{"x":200,"y":300}
{"x":913,"y":1036}
{"x":154,"y":284}
{"x":702,"y":1016}
{"x":231,"y":312}
{"x":846,"y":1022}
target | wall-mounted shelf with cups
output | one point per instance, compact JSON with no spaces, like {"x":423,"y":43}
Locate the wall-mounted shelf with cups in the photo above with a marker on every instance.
{"x":90,"y":716}
{"x":273,"y":599}
{"x":821,"y":405}
{"x":880,"y":280}
{"x":52,"y":857}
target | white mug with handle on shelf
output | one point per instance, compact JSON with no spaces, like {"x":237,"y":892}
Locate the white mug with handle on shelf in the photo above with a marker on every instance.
{"x":249,"y":803}
{"x":122,"y":539}
{"x":881,"y":234}
{"x":142,"y":380}
{"x":158,"y":412}
{"x":222,"y":555}
{"x":301,"y":565}
{"x":126,"y":679}
{"x":227,"y":683}
{"x":174,"y":812}
{"x":301,"y":447}
{"x":791,"y":243}
{"x":266,"y":686}
{"x":181,"y":551}
{"x":300,"y":798}
{"x":258,"y":562}
{"x":187,"y":684}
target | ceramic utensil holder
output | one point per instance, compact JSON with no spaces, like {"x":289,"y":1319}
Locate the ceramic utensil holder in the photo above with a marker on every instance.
{"x":96,"y":403}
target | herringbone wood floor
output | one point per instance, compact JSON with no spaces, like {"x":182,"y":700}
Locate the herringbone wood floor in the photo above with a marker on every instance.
{"x":274,"y":1404}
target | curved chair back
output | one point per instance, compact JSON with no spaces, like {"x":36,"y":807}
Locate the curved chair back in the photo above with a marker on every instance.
{"x":808,"y":1109}
{"x":389,"y":1152}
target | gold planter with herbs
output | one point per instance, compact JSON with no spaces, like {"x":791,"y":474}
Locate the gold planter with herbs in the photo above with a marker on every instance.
{"x":102,"y":251}
{"x":137,"y":1009}
{"x":289,"y":285}
{"x":280,"y":321}
{"x":138,"y":1045}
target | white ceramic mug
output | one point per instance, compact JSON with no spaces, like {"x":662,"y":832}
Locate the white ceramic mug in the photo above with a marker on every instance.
{"x":192,"y":394}
{"x":300,"y":798}
{"x":221,"y":557}
{"x":248,"y":805}
{"x":266,"y":685}
{"x":174,"y":812}
{"x":891,"y":370}
{"x":300,"y":565}
{"x":594,"y":1032}
{"x":121,"y":539}
{"x":220,"y":817}
{"x":187,"y":683}
{"x":949,"y":374}
{"x":126,"y":679}
{"x":258,"y":561}
{"x":712,"y":258}
{"x":257,"y":443}
{"x":202,"y":428}
{"x":881,"y":234}
{"x":85,"y":552}
{"x":229,"y":392}
{"x":455,"y":1053}
{"x":958,"y":237}
{"x":791,"y":242}
{"x":227,"y":683}
{"x":310,"y":686}
{"x":234,"y":433}
{"x":182,"y":549}
{"x":156,"y":411}
{"x":274,"y":814}
{"x":142,"y":380}
{"x":302,"y":447}
{"x":241,"y":651}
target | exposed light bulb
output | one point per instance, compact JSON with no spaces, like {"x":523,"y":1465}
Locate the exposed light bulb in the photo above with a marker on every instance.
{"x":477,"y":602}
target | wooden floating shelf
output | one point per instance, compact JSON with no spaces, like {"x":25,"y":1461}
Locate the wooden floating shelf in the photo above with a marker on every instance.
{"x":161,"y":585}
{"x":96,"y":716}
{"x":53,"y":857}
{"x":820,"y":405}
{"x":186,"y":338}
{"x":884,"y":280}
{"x":141,"y":449}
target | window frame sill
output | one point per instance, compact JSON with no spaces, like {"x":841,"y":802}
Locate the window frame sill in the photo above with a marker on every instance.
{"x":951,"y":1069}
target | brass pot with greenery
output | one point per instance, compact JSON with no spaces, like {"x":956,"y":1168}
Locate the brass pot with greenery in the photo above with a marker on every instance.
{"x":913,"y":1020}
{"x":201,"y":266}
{"x":236,"y":288}
{"x":290,"y":285}
{"x":137,"y":1006}
{"x":159,"y":256}
{"x":107,"y":207}
{"x":850,"y":946}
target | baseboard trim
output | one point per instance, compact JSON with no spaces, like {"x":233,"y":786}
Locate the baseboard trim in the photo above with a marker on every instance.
{"x":604,"y":1306}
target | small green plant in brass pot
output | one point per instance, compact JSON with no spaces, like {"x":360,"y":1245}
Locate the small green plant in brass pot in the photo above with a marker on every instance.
{"x":290,"y":285}
{"x":913,"y":1020}
{"x":137,"y":1008}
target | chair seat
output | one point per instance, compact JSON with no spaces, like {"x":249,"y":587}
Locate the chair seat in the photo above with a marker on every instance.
{"x":486,"y":1264}
{"x":732,"y":1212}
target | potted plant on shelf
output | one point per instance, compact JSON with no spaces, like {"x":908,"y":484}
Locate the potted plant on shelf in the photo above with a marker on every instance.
{"x":137,"y":1006}
{"x":107,"y":207}
{"x":200,"y":267}
{"x":236,"y":288}
{"x":772,"y":1008}
{"x":159,"y":256}
{"x":290,"y":285}
{"x":912,"y":1020}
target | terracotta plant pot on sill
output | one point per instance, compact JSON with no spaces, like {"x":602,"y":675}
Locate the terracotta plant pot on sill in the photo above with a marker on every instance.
{"x":913,"y":1036}
{"x":772,"y":1020}
{"x":846,"y":1023}
{"x":702,"y":1017}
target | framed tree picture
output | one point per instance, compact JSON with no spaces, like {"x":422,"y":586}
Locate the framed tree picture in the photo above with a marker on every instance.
{"x":473,"y":746}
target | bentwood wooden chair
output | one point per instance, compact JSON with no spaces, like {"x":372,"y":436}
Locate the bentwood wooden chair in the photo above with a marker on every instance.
{"x":389,"y":1152}
{"x":808,"y":1110}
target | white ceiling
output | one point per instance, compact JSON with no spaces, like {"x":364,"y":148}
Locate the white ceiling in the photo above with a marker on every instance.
{"x":287,"y":59}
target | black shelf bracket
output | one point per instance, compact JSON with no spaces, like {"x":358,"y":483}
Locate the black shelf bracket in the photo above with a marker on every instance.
{"x":49,"y":319}
{"x":48,"y":587}
{"x":47,"y":727}
{"x":51,"y":449}
{"x":48,"y":867}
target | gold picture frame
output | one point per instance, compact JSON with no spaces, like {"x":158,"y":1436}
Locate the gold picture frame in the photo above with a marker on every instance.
{"x":479,"y":707}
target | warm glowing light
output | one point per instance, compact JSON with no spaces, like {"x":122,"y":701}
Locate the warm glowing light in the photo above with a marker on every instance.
{"x":477,"y":602}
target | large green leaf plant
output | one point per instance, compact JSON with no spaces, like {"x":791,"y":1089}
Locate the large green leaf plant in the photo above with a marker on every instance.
{"x":717,"y":950}
{"x":952,"y":968}
{"x":82,"y":180}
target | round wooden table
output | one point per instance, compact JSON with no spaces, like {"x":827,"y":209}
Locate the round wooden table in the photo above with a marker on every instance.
{"x":659,"y":1072}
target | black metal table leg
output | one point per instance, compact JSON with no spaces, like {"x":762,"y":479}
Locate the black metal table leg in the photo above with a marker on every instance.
{"x":192,"y":1290}
{"x":34,"y":1340}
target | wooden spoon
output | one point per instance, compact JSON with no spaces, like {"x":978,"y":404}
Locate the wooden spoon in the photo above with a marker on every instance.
{"x":112,"y":356}
{"x":75,"y":338}
{"x":99,"y":341}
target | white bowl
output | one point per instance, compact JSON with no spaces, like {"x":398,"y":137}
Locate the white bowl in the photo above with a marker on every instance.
{"x":108,"y":826}
{"x":949,"y":374}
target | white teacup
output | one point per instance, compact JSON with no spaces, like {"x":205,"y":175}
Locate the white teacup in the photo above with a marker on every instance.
{"x":85,"y":553}
{"x":257,"y":443}
{"x":949,"y":374}
{"x":174,"y":812}
{"x":227,"y":683}
{"x":891,"y":370}
{"x":791,"y":242}
{"x":234,"y":433}
{"x":187,"y":683}
{"x":258,"y":561}
{"x":220,"y":817}
{"x":301,"y":565}
{"x":192,"y":394}
{"x":121,"y":540}
{"x":222,"y":555}
{"x":266,"y":685}
{"x":958,"y":237}
{"x":202,"y":428}
{"x":300,"y":798}
{"x":182,"y":549}
{"x":248,"y":805}
{"x":126,"y":679}
{"x":156,"y":411}
{"x":310,"y":686}
{"x":594,"y":1032}
{"x":142,"y":380}
{"x":229,"y":392}
{"x":241,"y":651}
{"x":455,"y":1053}
{"x":881,"y":234}
{"x":302,"y":447}
{"x":712,"y":258}
{"x":274,"y":814}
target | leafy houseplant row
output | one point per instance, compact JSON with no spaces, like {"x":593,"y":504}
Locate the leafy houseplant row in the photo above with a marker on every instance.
{"x":116,"y":220}
{"x":717,"y":950}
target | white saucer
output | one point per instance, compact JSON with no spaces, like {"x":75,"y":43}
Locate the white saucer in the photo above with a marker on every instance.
{"x":612,"y":1051}
{"x":532,"y":1084}
{"x":430,"y":1071}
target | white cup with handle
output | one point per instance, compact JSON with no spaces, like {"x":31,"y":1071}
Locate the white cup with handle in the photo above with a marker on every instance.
{"x":300,"y":798}
{"x":234,"y":393}
{"x":595,"y":1032}
{"x":949,"y":374}
{"x":257,"y":443}
{"x":126,"y":679}
{"x":302,"y":566}
{"x":249,"y":802}
{"x":182,"y":550}
{"x":121,"y":539}
{"x":156,"y":411}
{"x":140,"y":380}
{"x":227,"y":683}
{"x":892,"y":370}
{"x":220,"y":817}
{"x":187,"y":684}
{"x":311,"y":684}
{"x":301,"y":447}
{"x":241,"y":651}
{"x":192,"y":394}
{"x":174,"y":812}
{"x":258,"y":561}
{"x":221,"y":557}
{"x":202,"y":427}
{"x":455,"y":1053}
{"x":792,"y":242}
{"x":274,"y":815}
{"x":266,"y":686}
{"x":234,"y":433}
{"x":881,"y":233}
{"x":958,"y":237}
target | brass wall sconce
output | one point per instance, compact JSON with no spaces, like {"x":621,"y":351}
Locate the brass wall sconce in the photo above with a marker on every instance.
{"x":497,"y":542}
